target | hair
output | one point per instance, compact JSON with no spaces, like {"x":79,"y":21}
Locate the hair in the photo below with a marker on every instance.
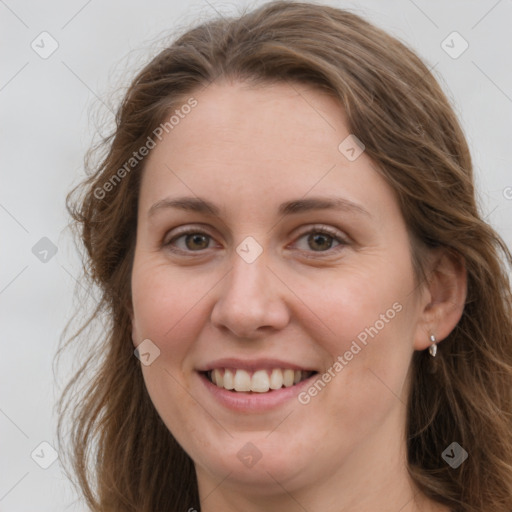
{"x":396,"y":107}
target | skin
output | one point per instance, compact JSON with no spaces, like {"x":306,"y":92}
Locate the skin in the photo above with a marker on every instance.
{"x":248,"y":149}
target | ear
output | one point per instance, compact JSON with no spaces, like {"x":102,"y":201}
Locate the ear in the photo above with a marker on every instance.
{"x":444,"y":297}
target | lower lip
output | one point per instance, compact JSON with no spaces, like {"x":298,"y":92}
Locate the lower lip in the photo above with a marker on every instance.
{"x":254,"y":402}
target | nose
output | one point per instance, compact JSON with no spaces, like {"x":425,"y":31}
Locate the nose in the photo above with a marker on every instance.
{"x":250,"y":304}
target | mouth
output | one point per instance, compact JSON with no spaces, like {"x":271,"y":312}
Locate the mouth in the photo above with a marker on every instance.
{"x":266,"y":380}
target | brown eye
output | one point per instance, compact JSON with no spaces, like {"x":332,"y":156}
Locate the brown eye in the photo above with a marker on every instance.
{"x":196,"y":241}
{"x":189,"y":241}
{"x":320,"y":241}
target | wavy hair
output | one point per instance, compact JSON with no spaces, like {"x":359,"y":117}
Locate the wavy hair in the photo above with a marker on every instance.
{"x":122,"y":456}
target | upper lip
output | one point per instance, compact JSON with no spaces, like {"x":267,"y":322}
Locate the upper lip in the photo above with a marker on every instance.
{"x":251,"y":365}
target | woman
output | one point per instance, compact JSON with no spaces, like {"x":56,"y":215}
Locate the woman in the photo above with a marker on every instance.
{"x":340,"y":337}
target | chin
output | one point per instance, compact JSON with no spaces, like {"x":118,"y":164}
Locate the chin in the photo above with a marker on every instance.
{"x":261,"y":466}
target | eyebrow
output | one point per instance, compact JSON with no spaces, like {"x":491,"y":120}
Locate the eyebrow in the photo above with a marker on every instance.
{"x":297,"y":206}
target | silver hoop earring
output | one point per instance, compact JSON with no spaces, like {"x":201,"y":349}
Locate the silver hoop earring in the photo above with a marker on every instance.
{"x":433,"y":348}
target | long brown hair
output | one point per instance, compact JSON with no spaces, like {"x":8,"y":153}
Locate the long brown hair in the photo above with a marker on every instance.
{"x":122,"y":454}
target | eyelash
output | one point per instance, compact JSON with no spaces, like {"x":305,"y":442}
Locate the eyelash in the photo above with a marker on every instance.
{"x":315,"y":229}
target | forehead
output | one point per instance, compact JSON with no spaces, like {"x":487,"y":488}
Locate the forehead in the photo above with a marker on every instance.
{"x":257,"y":122}
{"x":243,"y":142}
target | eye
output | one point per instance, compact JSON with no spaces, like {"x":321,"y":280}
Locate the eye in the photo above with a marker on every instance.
{"x":321,"y":238}
{"x":193,"y":241}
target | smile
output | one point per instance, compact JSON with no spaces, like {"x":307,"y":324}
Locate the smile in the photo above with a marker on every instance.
{"x":258,"y":381}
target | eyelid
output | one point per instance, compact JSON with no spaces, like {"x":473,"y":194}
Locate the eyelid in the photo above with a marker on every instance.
{"x":321,"y":228}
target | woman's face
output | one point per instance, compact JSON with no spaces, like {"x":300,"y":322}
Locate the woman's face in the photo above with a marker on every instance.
{"x":269,"y":285}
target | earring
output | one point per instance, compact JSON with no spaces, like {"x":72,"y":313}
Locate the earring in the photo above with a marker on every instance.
{"x":433,"y":348}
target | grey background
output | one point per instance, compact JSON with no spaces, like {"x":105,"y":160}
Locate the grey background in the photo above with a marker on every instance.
{"x":50,"y":109}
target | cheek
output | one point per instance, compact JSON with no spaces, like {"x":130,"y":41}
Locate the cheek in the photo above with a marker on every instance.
{"x":364,"y":304}
{"x":369,"y":356}
{"x":368,"y":324}
{"x":165,"y":306}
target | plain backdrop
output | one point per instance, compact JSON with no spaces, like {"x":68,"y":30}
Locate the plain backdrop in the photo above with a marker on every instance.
{"x":50,"y":107}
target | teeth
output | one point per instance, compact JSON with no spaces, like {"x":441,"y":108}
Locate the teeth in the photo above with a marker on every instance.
{"x":229,"y":382}
{"x":288,"y":376}
{"x":242,"y":381}
{"x":276,"y":379}
{"x":261,"y":381}
{"x":218,"y":378}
